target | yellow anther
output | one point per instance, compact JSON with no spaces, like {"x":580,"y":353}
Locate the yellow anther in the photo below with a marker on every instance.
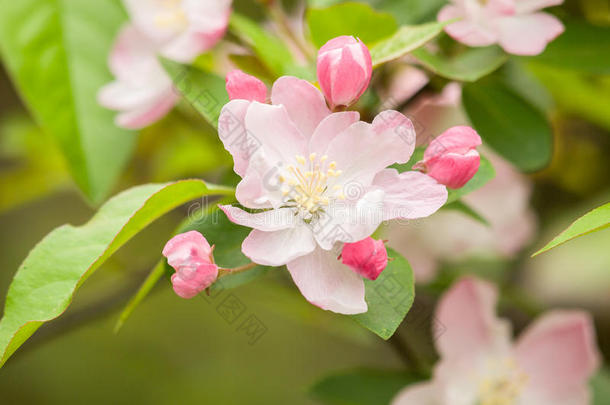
{"x":312,"y":157}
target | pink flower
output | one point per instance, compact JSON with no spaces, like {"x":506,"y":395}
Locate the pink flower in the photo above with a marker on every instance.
{"x":452,"y":158}
{"x":245,"y":87}
{"x":550,"y":363}
{"x":142,"y":92}
{"x":344,"y":70}
{"x":181,"y":29}
{"x":320,"y":180}
{"x":367,"y":257}
{"x":190,"y":255}
{"x":516,"y":25}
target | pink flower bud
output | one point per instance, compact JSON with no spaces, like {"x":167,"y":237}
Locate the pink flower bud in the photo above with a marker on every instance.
{"x":452,"y":158}
{"x":367,"y":257}
{"x":344,"y":70}
{"x":245,"y":87}
{"x":190,"y":255}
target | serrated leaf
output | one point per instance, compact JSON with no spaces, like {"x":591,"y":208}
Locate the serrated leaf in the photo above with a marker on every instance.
{"x":389,"y":298}
{"x":56,"y":53}
{"x":405,"y":40}
{"x":593,"y":221}
{"x":46,"y":281}
{"x":468,"y":66}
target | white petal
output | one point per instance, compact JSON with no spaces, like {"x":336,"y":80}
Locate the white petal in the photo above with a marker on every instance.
{"x":279,"y":247}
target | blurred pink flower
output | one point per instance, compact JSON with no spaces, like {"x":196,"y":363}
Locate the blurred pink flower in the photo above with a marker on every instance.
{"x":550,"y":363}
{"x":245,"y":87}
{"x":516,"y":25}
{"x":322,"y":180}
{"x":367,"y":257}
{"x":344,"y":70}
{"x":452,"y":158}
{"x":142,"y":92}
{"x":190,"y":255}
{"x":181,"y":29}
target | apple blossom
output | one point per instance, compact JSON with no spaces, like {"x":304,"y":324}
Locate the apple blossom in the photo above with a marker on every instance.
{"x":191,"y":256}
{"x":181,"y":29}
{"x":550,"y":363}
{"x":452,"y":158}
{"x":319,"y":179}
{"x":367,"y":257}
{"x":344,"y":70}
{"x":142,"y":91}
{"x":245,"y":87}
{"x":516,"y":25}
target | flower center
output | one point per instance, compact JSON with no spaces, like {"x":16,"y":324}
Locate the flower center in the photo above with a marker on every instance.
{"x":172,"y":16}
{"x":503,"y":385}
{"x":305,"y":186}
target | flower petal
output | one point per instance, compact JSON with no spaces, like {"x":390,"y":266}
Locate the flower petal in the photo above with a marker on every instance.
{"x":233,"y":134}
{"x":142,"y":117}
{"x":409,"y":195}
{"x":329,"y":128}
{"x":303,"y":102}
{"x":268,"y":221}
{"x":188,"y":245}
{"x":327,"y":283}
{"x":467,"y":31}
{"x":190,"y":44}
{"x":528,"y":34}
{"x":559,"y":354}
{"x":467,"y":320}
{"x":242,"y":86}
{"x":279,"y":247}
{"x":419,"y":394}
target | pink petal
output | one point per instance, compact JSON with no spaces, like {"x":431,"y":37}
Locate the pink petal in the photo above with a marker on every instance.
{"x":190,"y":44}
{"x":327,"y":283}
{"x":268,"y":221}
{"x":245,"y":87}
{"x":147,"y":115}
{"x":529,"y":6}
{"x":303,"y":102}
{"x":189,"y":282}
{"x":559,"y":354}
{"x":460,"y":139}
{"x":329,"y":128}
{"x":133,"y":56}
{"x":367,"y":257}
{"x":144,"y":15}
{"x":528,"y":34}
{"x":280,"y":247}
{"x":466,"y":31}
{"x":122,"y":96}
{"x":466,"y":315}
{"x":419,"y":394}
{"x":233,"y":134}
{"x":455,"y":170}
{"x":409,"y":195}
{"x":187,"y":245}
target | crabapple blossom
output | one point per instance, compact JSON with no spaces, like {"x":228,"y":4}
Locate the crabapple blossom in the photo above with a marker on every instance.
{"x":191,"y":256}
{"x":319,"y":180}
{"x":245,"y":87}
{"x":516,"y":25}
{"x":344,"y":70}
{"x":549,"y":364}
{"x":452,"y":158}
{"x":367,"y":257}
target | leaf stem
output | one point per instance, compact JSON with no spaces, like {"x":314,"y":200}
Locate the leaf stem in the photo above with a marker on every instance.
{"x":225,"y":272}
{"x":279,"y":17}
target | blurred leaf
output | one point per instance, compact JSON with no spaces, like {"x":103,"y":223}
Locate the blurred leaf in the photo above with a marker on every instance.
{"x":407,"y":39}
{"x":465,"y":209}
{"x":468,"y":66}
{"x":411,"y":11}
{"x":253,"y":66}
{"x":205,"y":91}
{"x":357,"y":19}
{"x":509,"y":124}
{"x":56,"y":53}
{"x":269,"y":48}
{"x":593,"y":221}
{"x":583,"y":47}
{"x":389,"y":298}
{"x":601,"y":387}
{"x":361,"y":387}
{"x":46,"y":281}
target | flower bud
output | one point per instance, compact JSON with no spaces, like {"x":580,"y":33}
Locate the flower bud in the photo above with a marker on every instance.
{"x":344,"y":70}
{"x":245,"y":87}
{"x":190,"y":255}
{"x":452,"y":158}
{"x":367,"y":257}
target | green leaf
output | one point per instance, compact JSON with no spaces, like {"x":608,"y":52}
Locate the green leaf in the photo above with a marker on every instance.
{"x":407,"y":39}
{"x":601,"y":387}
{"x":46,"y":281}
{"x":583,"y":47}
{"x":269,"y":48}
{"x":465,"y":209}
{"x":593,"y":221}
{"x":357,"y":19}
{"x":389,"y":298}
{"x":361,"y":387}
{"x":205,"y":91}
{"x":468,"y":66}
{"x":509,"y":123}
{"x":411,"y":11}
{"x":56,"y":53}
